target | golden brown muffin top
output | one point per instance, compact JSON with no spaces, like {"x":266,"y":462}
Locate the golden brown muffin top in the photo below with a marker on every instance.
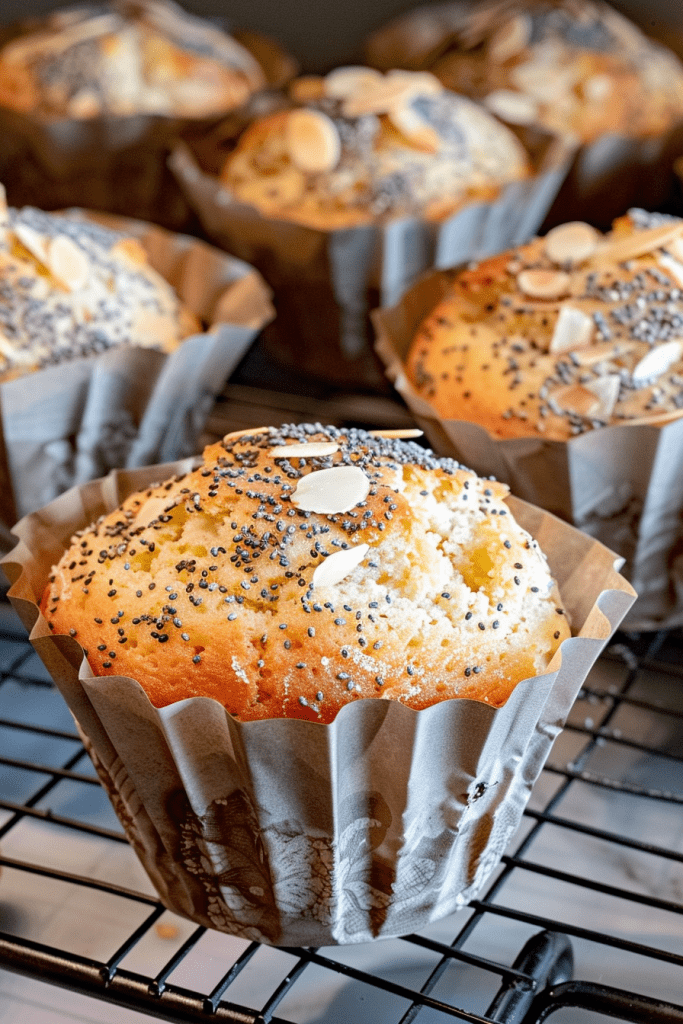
{"x":298,"y":569}
{"x":126,"y":57}
{"x":359,"y":146}
{"x":569,"y":333}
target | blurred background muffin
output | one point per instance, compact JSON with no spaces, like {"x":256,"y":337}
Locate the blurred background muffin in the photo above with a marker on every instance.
{"x":359,"y":146}
{"x":348,"y":187}
{"x":91,"y":98}
{"x":573,"y":66}
{"x":576,"y":67}
{"x":129,"y":57}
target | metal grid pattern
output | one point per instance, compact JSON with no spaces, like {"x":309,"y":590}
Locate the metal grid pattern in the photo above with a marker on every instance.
{"x":585,"y":912}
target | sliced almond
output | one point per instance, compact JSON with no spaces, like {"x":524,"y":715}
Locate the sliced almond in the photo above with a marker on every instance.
{"x":656,"y":362}
{"x":347,"y":81}
{"x":33,"y":241}
{"x":307,"y":88}
{"x":312,"y":141}
{"x":378,"y":97}
{"x":603,"y":351}
{"x":544,"y":284}
{"x":234,"y":434}
{"x":420,"y":83}
{"x":673,"y":266}
{"x":511,"y":106}
{"x":571,"y":243}
{"x":316,"y":449}
{"x":338,"y":565}
{"x":620,"y":250}
{"x":573,"y":329}
{"x":150,"y":511}
{"x":400,"y":432}
{"x":415,"y":128}
{"x":510,"y":39}
{"x":606,"y":389}
{"x":68,"y":263}
{"x":576,"y":398}
{"x":130,"y":250}
{"x":329,"y":491}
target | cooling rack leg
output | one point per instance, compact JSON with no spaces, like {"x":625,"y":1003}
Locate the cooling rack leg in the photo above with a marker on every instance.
{"x":547,"y":959}
{"x":611,"y":1002}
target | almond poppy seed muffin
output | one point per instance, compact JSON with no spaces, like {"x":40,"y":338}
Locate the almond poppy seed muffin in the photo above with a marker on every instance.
{"x":299,"y":569}
{"x":360,"y":147}
{"x":569,"y":333}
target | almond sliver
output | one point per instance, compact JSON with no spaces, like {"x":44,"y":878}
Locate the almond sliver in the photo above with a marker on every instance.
{"x":673,"y":266}
{"x":348,"y":80}
{"x":312,"y":140}
{"x":544,"y":284}
{"x":316,"y":449}
{"x":572,"y":243}
{"x":337,"y":566}
{"x":638,"y":244}
{"x":606,"y":390}
{"x":573,"y":329}
{"x":656,"y":362}
{"x":330,"y":491}
{"x":68,"y":263}
{"x":511,"y":106}
{"x":377,"y":97}
{"x":33,"y":241}
{"x":398,"y":432}
{"x":415,"y":128}
{"x":576,"y":398}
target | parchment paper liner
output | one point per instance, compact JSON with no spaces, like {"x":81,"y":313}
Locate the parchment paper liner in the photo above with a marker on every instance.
{"x":326,"y":282}
{"x":291,"y":832}
{"x":621,"y":484}
{"x":130,"y":406}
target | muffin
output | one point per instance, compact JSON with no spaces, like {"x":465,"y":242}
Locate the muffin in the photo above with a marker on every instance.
{"x":300,"y":832}
{"x":296,"y":571}
{"x":123,"y":58}
{"x":359,"y":146}
{"x":573,"y":332}
{"x":93,"y":97}
{"x":571,"y":66}
{"x":350,"y":188}
{"x":73,"y":288}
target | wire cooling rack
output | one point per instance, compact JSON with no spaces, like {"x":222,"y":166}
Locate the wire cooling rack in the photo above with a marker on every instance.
{"x":585,"y":913}
{"x":582,"y":921}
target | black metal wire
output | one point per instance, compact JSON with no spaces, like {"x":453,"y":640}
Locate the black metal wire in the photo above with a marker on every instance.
{"x":532,"y":981}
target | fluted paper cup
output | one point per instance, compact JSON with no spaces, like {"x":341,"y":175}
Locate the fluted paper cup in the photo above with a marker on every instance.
{"x":326,"y":282}
{"x":621,"y":484}
{"x":292,"y":832}
{"x":129,"y":406}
